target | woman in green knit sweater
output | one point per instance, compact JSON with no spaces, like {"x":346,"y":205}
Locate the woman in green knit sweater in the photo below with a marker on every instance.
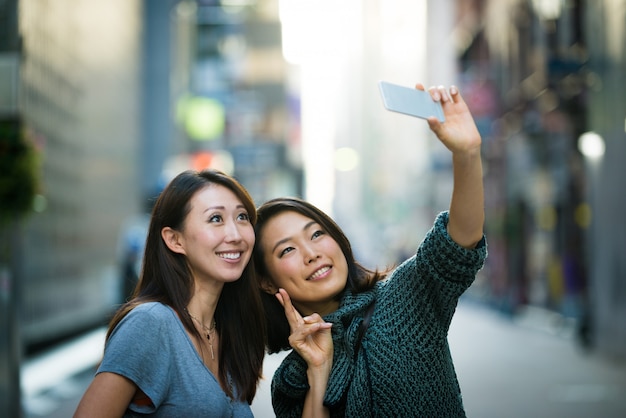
{"x":364,"y":346}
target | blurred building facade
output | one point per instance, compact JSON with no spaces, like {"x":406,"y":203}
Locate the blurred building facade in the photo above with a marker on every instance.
{"x":605,"y":24}
{"x":543,"y":76}
{"x":11,"y":142}
{"x":80,"y":99}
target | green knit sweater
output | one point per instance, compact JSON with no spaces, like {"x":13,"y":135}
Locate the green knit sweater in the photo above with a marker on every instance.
{"x":403,"y":367}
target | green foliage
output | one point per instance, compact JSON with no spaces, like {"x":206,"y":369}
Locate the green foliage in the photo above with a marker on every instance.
{"x":18,"y":171}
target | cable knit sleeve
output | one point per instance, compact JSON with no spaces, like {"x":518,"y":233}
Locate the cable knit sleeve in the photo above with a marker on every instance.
{"x":289,"y":387}
{"x":426,"y":287}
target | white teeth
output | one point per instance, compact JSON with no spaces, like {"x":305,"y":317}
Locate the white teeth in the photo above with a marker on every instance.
{"x":230,"y":256}
{"x":319,"y":272}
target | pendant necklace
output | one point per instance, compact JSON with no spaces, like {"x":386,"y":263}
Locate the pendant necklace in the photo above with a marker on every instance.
{"x":208,"y":330}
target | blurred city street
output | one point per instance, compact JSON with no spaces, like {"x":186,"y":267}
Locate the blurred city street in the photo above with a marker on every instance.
{"x":102,"y":103}
{"x":507,"y":368}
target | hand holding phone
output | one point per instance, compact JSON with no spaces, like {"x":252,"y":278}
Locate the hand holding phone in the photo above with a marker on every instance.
{"x":410,"y":101}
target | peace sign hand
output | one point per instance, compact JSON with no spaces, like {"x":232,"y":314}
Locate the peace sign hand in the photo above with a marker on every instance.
{"x":310,"y":336}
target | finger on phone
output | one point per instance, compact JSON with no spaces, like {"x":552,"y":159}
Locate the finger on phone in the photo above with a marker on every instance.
{"x":444,"y":94}
{"x":434,"y":93}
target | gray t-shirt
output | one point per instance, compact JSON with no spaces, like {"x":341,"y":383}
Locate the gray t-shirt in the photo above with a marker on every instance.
{"x":151,"y":348}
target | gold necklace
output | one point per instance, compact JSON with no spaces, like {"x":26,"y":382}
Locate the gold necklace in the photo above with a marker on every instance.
{"x":208,"y":330}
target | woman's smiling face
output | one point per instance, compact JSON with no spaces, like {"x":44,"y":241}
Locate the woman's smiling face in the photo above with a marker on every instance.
{"x":305,"y":261}
{"x":217,"y":237}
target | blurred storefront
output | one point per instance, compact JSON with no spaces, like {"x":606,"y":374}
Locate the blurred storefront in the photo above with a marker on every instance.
{"x":542,"y":74}
{"x":80,"y":98}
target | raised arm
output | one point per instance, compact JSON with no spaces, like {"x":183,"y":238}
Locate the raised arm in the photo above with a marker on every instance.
{"x":460,"y":135}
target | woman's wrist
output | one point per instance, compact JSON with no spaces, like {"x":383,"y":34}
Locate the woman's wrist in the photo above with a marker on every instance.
{"x":319,"y":373}
{"x":318,"y":382}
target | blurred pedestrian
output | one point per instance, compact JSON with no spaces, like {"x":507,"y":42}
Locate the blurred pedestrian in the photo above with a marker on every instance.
{"x":190,"y":343}
{"x":364,"y":346}
{"x":130,"y":268}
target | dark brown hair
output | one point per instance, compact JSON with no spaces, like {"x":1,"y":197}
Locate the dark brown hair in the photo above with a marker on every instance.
{"x":360,"y":278}
{"x":166,"y":278}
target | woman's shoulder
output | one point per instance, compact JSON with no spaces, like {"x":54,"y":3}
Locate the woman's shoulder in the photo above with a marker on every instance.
{"x":148,"y":322}
{"x":155,"y":308}
{"x":153,"y":312}
{"x":152,"y":308}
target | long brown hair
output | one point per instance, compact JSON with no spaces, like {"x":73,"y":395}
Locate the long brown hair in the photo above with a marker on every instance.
{"x":165,"y":277}
{"x":360,"y":278}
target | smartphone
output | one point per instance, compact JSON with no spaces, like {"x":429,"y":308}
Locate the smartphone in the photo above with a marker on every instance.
{"x":410,"y":101}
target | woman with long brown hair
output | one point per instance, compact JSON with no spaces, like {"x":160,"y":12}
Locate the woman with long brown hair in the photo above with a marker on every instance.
{"x":372,"y":343}
{"x":190,"y":342}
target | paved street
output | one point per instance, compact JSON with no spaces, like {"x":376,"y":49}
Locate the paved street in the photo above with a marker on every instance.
{"x":512,"y":369}
{"x":521,"y":370}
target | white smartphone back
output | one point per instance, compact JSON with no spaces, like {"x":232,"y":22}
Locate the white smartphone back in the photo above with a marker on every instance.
{"x":409,"y":101}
